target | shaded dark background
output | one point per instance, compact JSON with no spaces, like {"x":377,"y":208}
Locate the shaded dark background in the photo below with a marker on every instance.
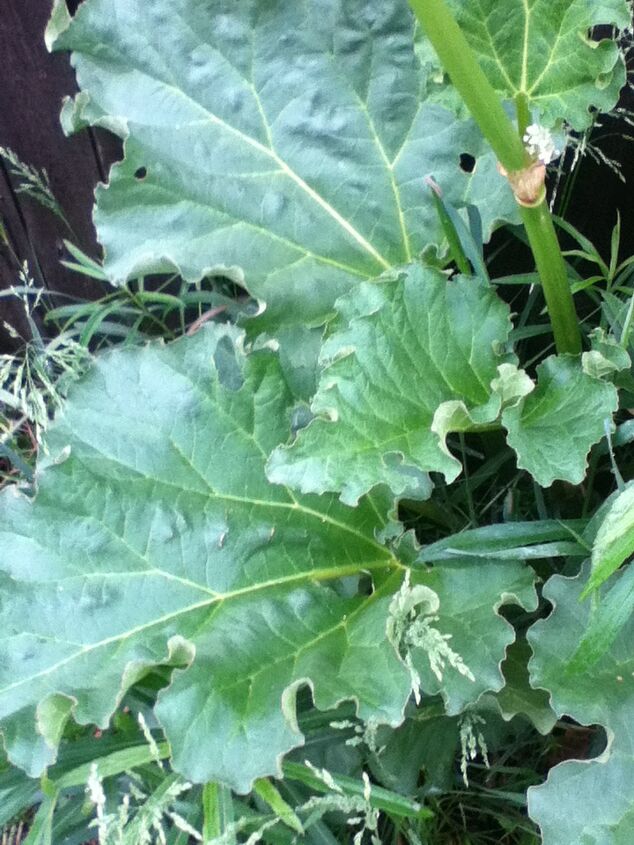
{"x":33,"y":85}
{"x":31,"y":92}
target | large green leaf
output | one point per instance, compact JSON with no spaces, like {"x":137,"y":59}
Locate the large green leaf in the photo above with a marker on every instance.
{"x":554,"y":427}
{"x":414,"y":350}
{"x":466,"y":591}
{"x":586,"y":802}
{"x":541,"y":50}
{"x":282,"y":143}
{"x":417,"y":356}
{"x":155,"y":536}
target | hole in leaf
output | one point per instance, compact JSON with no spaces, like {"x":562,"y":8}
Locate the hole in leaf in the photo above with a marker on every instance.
{"x":467,"y":163}
{"x":600,"y":33}
{"x":140,"y":173}
{"x":576,"y":742}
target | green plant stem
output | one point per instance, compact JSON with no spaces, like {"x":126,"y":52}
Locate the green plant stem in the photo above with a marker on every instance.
{"x":485,"y":106}
{"x":552,"y":272}
{"x":478,"y":94}
{"x":217,"y":810}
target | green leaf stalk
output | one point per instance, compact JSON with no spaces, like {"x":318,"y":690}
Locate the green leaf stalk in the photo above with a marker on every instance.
{"x":486,"y":108}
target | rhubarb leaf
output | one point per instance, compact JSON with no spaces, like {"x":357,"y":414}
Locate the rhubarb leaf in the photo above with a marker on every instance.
{"x":282,"y":144}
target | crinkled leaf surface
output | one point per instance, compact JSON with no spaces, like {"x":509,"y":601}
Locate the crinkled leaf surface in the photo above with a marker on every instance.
{"x":589,"y":802}
{"x":417,"y":356}
{"x":540,"y":49}
{"x":606,"y":357}
{"x":467,"y":590}
{"x":155,"y":536}
{"x":406,"y":346}
{"x":285,"y":144}
{"x":160,"y":528}
{"x":554,"y":427}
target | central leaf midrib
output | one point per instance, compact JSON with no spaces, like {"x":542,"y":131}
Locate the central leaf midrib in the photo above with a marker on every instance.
{"x":363,"y":106}
{"x":312,"y":576}
{"x":524,"y":69}
{"x":233,"y":221}
{"x":385,"y":589}
{"x":551,"y":59}
{"x":137,"y":475}
{"x":281,"y":163}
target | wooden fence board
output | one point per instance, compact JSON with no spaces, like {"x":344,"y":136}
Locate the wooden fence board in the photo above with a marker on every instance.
{"x":34,"y":84}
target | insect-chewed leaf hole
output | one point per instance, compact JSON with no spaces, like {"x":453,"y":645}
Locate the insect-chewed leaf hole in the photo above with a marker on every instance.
{"x":467,"y":162}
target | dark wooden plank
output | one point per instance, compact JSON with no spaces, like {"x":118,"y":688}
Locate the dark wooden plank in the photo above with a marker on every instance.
{"x":14,"y":248}
{"x":34,"y":84}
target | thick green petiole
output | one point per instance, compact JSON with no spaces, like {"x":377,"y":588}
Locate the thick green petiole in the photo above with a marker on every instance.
{"x":486,"y":108}
{"x":552,"y":272}
{"x":217,"y":811}
{"x":459,"y":61}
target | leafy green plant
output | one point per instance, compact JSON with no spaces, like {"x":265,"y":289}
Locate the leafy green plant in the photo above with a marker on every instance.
{"x":230,"y":510}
